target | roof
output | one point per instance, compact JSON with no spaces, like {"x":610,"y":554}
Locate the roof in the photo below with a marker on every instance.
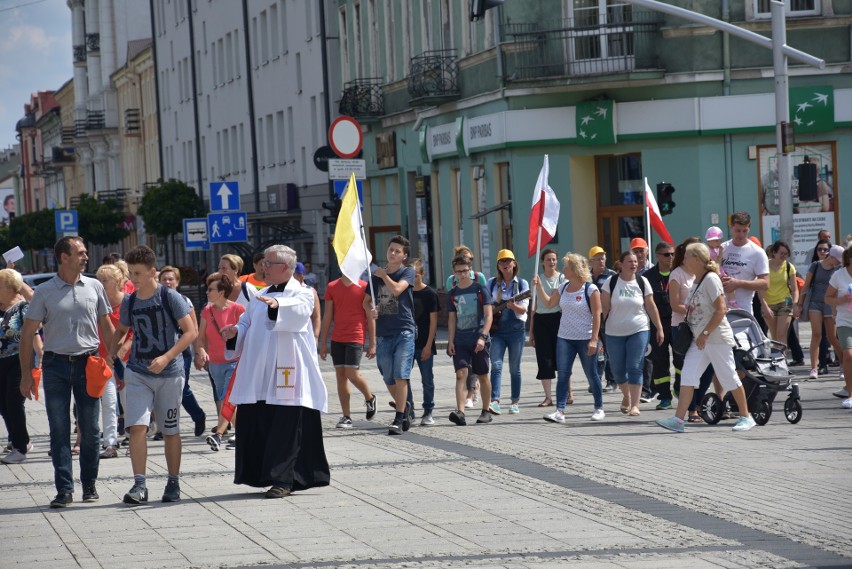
{"x":135,"y":47}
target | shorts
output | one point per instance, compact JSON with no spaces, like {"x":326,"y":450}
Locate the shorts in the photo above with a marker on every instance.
{"x":844,"y":334}
{"x":146,"y":393}
{"x":394,"y":356}
{"x":220,"y":377}
{"x":346,"y":354}
{"x":821,"y":307}
{"x":783,"y":308}
{"x":467,"y":357}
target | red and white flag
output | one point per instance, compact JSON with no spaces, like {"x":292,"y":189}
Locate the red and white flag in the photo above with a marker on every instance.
{"x":544,"y":214}
{"x":654,"y":215}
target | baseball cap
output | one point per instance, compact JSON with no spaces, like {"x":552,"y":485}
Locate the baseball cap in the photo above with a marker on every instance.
{"x":300,"y":268}
{"x":505,"y":254}
{"x":713,"y":232}
{"x":638,"y":243}
{"x":596,"y":250}
{"x":836,"y":251}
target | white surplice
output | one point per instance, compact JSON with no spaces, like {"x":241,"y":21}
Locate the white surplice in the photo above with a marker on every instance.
{"x":278,"y":359}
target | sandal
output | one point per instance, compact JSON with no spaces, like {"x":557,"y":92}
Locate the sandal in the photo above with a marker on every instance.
{"x":570,"y":401}
{"x":546,"y":403}
{"x":625,"y":405}
{"x":75,"y":450}
{"x":695,"y":419}
{"x":634,"y":412}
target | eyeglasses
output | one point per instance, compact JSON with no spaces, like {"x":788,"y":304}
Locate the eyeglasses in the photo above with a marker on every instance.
{"x":821,"y":250}
{"x":462,"y":272}
{"x":266,"y":263}
{"x":504,"y":262}
{"x":670,"y":254}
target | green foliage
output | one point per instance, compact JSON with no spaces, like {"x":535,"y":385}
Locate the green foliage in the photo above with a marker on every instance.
{"x":165,"y":206}
{"x":36,"y":230}
{"x":100,"y":223}
{"x":5,"y":240}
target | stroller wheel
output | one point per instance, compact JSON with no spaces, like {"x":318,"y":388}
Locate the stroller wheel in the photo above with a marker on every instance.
{"x":793,"y":410}
{"x":711,"y":408}
{"x":762,"y":413}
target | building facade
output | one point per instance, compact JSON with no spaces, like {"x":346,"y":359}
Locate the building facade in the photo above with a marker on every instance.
{"x":458,"y":116}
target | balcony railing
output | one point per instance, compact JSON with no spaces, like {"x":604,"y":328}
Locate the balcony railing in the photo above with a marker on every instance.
{"x":62,"y":154}
{"x":362,"y":98}
{"x":434,"y":77}
{"x":118,"y":195}
{"x":619,"y":41}
{"x":95,"y":120}
{"x":131,"y":122}
{"x":68,"y":133}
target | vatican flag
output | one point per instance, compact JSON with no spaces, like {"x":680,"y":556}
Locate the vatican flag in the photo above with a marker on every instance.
{"x":349,"y":243}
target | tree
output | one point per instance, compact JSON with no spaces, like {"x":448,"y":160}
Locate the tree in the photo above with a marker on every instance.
{"x":100,"y":223}
{"x":165,"y":206}
{"x":36,"y":230}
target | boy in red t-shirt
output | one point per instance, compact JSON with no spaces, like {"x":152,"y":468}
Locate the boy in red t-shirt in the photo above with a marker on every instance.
{"x":344,"y":305}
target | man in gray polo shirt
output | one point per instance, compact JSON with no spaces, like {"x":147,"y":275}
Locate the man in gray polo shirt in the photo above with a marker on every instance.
{"x":71,"y":307}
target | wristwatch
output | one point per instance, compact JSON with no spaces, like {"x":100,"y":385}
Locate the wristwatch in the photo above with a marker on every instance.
{"x":706,"y":333}
{"x":485,"y":337}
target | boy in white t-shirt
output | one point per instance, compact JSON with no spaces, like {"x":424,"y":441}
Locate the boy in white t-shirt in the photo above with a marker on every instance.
{"x":744,"y":267}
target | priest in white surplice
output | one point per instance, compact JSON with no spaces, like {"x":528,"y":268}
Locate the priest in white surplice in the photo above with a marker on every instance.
{"x":278,"y":388}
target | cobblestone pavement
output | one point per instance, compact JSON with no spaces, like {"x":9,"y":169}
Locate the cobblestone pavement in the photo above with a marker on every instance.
{"x":519,"y":492}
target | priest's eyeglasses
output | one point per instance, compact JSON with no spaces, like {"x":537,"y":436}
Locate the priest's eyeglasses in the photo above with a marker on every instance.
{"x":266,"y":263}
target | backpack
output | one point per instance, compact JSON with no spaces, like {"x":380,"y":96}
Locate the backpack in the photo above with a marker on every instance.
{"x":479,"y":296}
{"x":245,"y":291}
{"x":585,"y":292}
{"x":167,"y":308}
{"x":613,"y":280}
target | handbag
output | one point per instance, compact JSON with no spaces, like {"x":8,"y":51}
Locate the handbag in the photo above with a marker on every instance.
{"x":683,"y":337}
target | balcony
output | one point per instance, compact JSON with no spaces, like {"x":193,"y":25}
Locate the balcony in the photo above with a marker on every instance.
{"x":362,"y":99}
{"x":618,"y":41}
{"x":63,"y":154}
{"x":434,"y":77}
{"x":68,"y":134}
{"x":95,"y":120}
{"x":132,"y":122}
{"x":117,"y":196}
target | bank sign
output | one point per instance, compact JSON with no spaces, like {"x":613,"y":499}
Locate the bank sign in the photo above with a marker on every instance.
{"x":463,"y":137}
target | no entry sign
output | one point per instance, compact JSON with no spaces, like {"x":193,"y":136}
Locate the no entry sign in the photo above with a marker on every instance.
{"x":345,"y":137}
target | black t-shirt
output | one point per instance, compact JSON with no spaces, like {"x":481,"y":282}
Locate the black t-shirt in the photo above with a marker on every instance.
{"x":425,"y":303}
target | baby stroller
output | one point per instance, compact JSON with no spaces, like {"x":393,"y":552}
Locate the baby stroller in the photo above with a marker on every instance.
{"x":762,"y":368}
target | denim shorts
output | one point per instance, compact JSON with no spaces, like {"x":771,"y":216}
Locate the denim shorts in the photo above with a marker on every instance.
{"x":821,"y":307}
{"x":394,"y":356}
{"x":220,"y":376}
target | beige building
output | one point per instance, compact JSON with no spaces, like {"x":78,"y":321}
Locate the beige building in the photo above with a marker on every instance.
{"x":74,"y":175}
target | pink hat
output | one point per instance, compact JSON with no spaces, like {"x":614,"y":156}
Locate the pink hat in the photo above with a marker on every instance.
{"x":836,"y":251}
{"x":713,"y":233}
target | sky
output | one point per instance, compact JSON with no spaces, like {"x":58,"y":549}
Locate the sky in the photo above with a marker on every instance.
{"x":35,"y":55}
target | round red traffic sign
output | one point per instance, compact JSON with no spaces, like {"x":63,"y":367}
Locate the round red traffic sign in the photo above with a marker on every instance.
{"x":345,"y":137}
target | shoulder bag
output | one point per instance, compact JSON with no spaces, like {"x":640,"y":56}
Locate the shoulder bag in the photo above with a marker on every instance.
{"x":683,"y":336}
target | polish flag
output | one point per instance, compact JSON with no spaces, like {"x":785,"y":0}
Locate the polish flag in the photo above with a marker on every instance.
{"x":654,"y":215}
{"x":544,"y":214}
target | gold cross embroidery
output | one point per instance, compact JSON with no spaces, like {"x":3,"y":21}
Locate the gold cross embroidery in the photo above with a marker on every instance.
{"x":286,"y":371}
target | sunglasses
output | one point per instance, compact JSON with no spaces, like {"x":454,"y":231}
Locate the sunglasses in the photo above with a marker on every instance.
{"x":666,"y":254}
{"x":821,"y":250}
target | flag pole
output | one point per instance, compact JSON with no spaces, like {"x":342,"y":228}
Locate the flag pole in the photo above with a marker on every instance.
{"x":647,"y":216}
{"x":364,"y":241}
{"x":537,"y":260}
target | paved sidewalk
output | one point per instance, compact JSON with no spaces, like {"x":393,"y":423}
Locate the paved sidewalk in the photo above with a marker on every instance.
{"x":517,"y":493}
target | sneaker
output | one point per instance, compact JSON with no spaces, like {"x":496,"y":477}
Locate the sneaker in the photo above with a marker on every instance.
{"x":426,"y":420}
{"x":231,"y":446}
{"x":555,"y":417}
{"x":672,"y":424}
{"x":232,"y":440}
{"x":14,"y":457}
{"x":494,"y":408}
{"x":598,"y":415}
{"x":485,"y":417}
{"x":648,"y":398}
{"x":458,"y":418}
{"x":663,"y":405}
{"x":125,"y":442}
{"x":744,"y":424}
{"x":468,"y":404}
{"x":823,"y":370}
{"x":109,"y":452}
{"x":137,"y":495}
{"x":171,"y":493}
{"x":814,"y":374}
{"x":62,"y":500}
{"x":158,"y":436}
{"x":407,"y":416}
{"x":90,"y":493}
{"x":200,"y":426}
{"x":847,"y":404}
{"x":344,"y":423}
{"x":371,"y":407}
{"x":514,"y":409}
{"x":277,"y":492}
{"x":843,"y":393}
{"x":395,"y":428}
{"x":8,"y":447}
{"x":215,"y":442}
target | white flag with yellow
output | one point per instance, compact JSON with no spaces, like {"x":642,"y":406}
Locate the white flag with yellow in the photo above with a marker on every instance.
{"x":352,"y":254}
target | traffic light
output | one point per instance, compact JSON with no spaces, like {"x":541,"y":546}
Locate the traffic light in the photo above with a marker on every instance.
{"x":478,"y":8}
{"x":333,"y":208}
{"x":664,"y":198}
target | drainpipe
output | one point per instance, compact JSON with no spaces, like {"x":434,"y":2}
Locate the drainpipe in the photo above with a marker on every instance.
{"x":252,"y":126}
{"x":726,"y":91}
{"x":157,"y":90}
{"x":193,"y":63}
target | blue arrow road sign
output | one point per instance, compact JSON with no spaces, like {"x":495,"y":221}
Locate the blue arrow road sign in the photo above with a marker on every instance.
{"x":195,"y":234}
{"x":66,"y":221}
{"x":340,"y":187}
{"x":227,"y":227}
{"x":224,"y":196}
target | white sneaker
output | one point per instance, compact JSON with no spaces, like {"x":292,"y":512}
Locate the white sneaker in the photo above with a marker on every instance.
{"x":14,"y":457}
{"x":814,"y":374}
{"x":555,"y":417}
{"x":744,"y":424}
{"x":847,"y":404}
{"x":468,"y":404}
{"x":843,"y":393}
{"x":598,"y":415}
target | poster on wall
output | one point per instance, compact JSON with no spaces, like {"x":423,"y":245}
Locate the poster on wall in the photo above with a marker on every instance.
{"x":7,"y":212}
{"x":814,"y":196}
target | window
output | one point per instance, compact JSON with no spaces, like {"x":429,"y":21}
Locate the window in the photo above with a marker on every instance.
{"x":298,"y":73}
{"x":235,"y":150}
{"x":270,"y":142}
{"x":344,"y":44}
{"x":791,"y":8}
{"x":237,"y":53}
{"x":389,"y":36}
{"x":273,"y":31}
{"x":229,"y":57}
{"x":279,"y":126}
{"x":264,"y":38}
{"x":356,"y":40}
{"x":600,"y":36}
{"x":284,"y":48}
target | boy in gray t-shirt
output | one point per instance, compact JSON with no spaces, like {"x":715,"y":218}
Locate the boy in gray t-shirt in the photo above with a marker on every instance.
{"x":154,"y":376}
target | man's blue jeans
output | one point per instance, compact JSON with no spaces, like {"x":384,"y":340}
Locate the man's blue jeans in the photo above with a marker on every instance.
{"x":60,"y":378}
{"x":566,"y":351}
{"x":427,"y":377}
{"x":190,"y":403}
{"x":514,"y":341}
